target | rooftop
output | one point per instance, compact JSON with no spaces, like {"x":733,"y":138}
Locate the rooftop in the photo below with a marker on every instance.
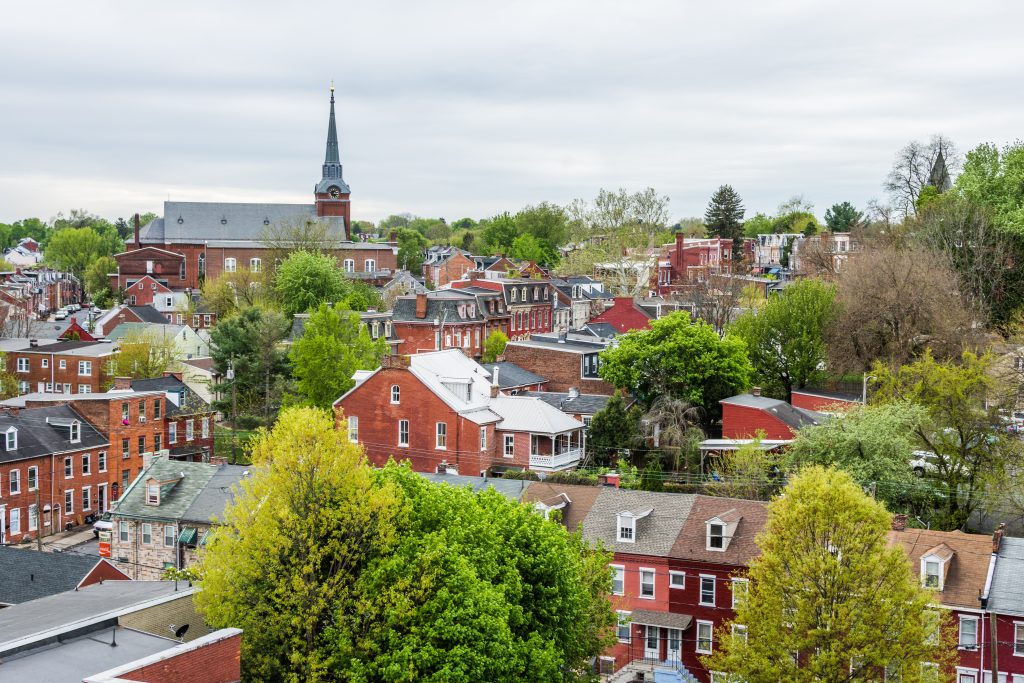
{"x":1006,"y":595}
{"x":72,"y":348}
{"x":46,"y":430}
{"x":511,"y":375}
{"x":31,"y":574}
{"x":580,"y":404}
{"x":175,"y":501}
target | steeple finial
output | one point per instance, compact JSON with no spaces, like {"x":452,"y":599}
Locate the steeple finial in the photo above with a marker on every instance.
{"x":332,"y":156}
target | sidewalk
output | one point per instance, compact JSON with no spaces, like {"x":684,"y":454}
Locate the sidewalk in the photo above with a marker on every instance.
{"x":61,"y":541}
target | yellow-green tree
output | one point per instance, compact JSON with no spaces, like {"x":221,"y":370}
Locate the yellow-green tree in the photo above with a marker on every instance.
{"x":144,"y":354}
{"x":828,"y":599}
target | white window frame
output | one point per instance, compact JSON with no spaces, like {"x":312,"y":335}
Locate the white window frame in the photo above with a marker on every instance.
{"x":33,"y":517}
{"x":69,"y":501}
{"x":960,"y":633}
{"x":101,"y":461}
{"x":396,"y":395}
{"x":32,"y":474}
{"x":483,"y":438}
{"x":510,"y":446}
{"x":1018,"y":639}
{"x":84,"y":369}
{"x":353,"y":428}
{"x":230,"y":264}
{"x":745,"y":592}
{"x":720,"y":537}
{"x":441,"y":436}
{"x":618,"y":574}
{"x":169,"y":536}
{"x":654,"y":579}
{"x":676,"y":579}
{"x":714,"y":590}
{"x":15,"y":521}
{"x":623,"y":621}
{"x":23,"y":365}
{"x":710,"y":625}
{"x":124,"y":532}
{"x":190,"y":431}
{"x":205,"y":427}
{"x":403,"y":433}
{"x":62,"y":364}
{"x":14,"y":482}
{"x":86,"y":464}
{"x":172,"y":432}
{"x":46,"y":362}
{"x":255,"y":265}
{"x":147,"y":533}
{"x":349,"y":265}
{"x":11,"y":439}
{"x":370,"y":265}
{"x":939,"y":579}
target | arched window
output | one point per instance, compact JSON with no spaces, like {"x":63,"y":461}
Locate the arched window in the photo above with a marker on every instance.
{"x":202,"y":265}
{"x":396,"y":394}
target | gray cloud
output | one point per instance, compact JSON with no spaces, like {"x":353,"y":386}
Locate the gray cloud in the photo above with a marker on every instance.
{"x":470,"y":108}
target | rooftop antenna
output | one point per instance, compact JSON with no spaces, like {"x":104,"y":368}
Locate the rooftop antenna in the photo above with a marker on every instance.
{"x":180,"y":632}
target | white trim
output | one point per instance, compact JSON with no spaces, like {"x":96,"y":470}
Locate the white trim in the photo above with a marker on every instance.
{"x":711,"y":639}
{"x":113,"y":675}
{"x":623,"y":568}
{"x":654,"y":583}
{"x":714,"y":590}
{"x":672,"y":574}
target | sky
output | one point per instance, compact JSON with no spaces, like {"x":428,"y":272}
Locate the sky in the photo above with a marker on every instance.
{"x":452,"y":108}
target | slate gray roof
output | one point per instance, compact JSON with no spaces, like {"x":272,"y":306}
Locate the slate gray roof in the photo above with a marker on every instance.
{"x":404,"y":309}
{"x":583,"y":404}
{"x":511,"y":375}
{"x":30,"y":574}
{"x":74,"y":348}
{"x":176,"y":502}
{"x":199,"y":222}
{"x":42,"y":431}
{"x":567,"y":346}
{"x":599,"y":330}
{"x":512,"y":489}
{"x":189,"y":402}
{"x":655,"y":534}
{"x":792,"y":417}
{"x":220,"y":490}
{"x":1006,"y":595}
{"x":148,"y":314}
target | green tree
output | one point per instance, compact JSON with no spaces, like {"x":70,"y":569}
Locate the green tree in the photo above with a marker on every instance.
{"x":499,"y":232}
{"x":964,"y":401}
{"x":786,"y":337}
{"x":548,"y":223}
{"x":464,"y":224}
{"x":671,"y":424}
{"x":334,"y":345}
{"x":829,"y":589}
{"x":873,"y":443}
{"x":724,"y":217}
{"x":612,"y":428}
{"x":843,"y":217}
{"x":97,"y":280}
{"x":249,"y":344}
{"x":682,"y":358}
{"x":305,"y":280}
{"x":8,"y":382}
{"x":144,"y":354}
{"x":527,"y":248}
{"x":758,"y":224}
{"x":751,"y":472}
{"x":74,"y":249}
{"x":494,"y":346}
{"x":410,"y":250}
{"x":394,"y":222}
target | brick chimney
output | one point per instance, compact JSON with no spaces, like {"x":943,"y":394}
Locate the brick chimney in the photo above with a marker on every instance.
{"x":495,"y":387}
{"x":755,"y":391}
{"x":421,"y":306}
{"x":997,"y":537}
{"x":395,"y":362}
{"x":899,"y":522}
{"x":137,"y":243}
{"x":122,"y":384}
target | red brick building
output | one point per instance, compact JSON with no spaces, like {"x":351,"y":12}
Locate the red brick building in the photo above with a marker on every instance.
{"x":59,"y":366}
{"x":448,"y":319}
{"x":746,"y":415}
{"x":188,"y":421}
{"x":440,"y":412}
{"x":565,"y":362}
{"x":444,"y":265}
{"x":624,"y":315}
{"x":529,"y":302}
{"x":692,"y":260}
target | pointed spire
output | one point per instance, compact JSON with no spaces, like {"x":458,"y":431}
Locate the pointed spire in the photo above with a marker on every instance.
{"x":332,"y":157}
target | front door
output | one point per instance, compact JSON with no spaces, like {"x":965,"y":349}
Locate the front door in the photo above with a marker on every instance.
{"x":651,"y":645}
{"x":101,"y":498}
{"x":674,"y":648}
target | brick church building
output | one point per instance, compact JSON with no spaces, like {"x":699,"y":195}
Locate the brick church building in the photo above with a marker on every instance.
{"x":197,"y":240}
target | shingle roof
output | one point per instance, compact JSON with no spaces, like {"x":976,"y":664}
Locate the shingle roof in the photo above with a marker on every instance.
{"x":148,"y":314}
{"x":968,"y":569}
{"x":655,"y":534}
{"x":1006,"y":595}
{"x":46,"y":430}
{"x":692,"y":541}
{"x":513,"y":489}
{"x":582,"y":404}
{"x":511,"y":375}
{"x":173,"y":503}
{"x":199,"y":222}
{"x":220,"y":490}
{"x":30,"y":574}
{"x":582,"y":499}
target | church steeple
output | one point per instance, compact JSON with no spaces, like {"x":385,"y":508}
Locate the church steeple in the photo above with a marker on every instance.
{"x":331,"y":178}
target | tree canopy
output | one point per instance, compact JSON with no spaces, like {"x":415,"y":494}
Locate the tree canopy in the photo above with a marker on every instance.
{"x":842,"y":217}
{"x":494,"y":346}
{"x":828,"y":599}
{"x":305,"y":280}
{"x":724,"y":216}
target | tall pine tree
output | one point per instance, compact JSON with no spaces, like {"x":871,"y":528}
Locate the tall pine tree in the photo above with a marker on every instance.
{"x":724,"y":217}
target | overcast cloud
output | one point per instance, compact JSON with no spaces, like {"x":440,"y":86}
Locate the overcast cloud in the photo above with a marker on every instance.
{"x":470,"y":108}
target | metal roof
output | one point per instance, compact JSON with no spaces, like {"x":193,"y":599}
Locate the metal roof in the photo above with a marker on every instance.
{"x":1006,"y":595}
{"x":581,"y":404}
{"x":527,"y":414}
{"x":511,"y":375}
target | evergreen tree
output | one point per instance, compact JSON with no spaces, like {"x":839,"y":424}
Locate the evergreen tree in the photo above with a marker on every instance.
{"x":724,"y":217}
{"x":842,"y":217}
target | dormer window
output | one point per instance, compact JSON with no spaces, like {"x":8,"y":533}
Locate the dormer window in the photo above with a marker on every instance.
{"x":626,"y":525}
{"x":932,"y":574}
{"x":76,"y":431}
{"x":12,"y":438}
{"x":513,"y":294}
{"x":716,"y":537}
{"x":935,"y":566}
{"x":152,"y":494}
{"x":721,"y":529}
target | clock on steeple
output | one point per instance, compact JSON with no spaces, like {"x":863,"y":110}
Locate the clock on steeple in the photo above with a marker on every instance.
{"x":332,"y":192}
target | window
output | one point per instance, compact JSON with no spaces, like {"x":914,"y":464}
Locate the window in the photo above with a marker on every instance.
{"x":33,"y":478}
{"x":156,"y":409}
{"x":167,"y":302}
{"x":512,"y":297}
{"x":14,"y":481}
{"x":147,"y":533}
{"x":86,"y":464}
{"x":126,"y":449}
{"x":15,"y":521}
{"x":33,"y":517}
{"x":23,"y":387}
{"x":122,"y":532}
{"x":189,"y":432}
{"x":1018,"y":638}
{"x":23,"y":365}
{"x":62,"y":364}
{"x":739,"y":631}
{"x":142,"y":444}
{"x":403,"y":432}
{"x":349,"y":265}
{"x":46,"y":363}
{"x":707,"y":590}
{"x":84,"y":389}
{"x":932,"y":574}
{"x":69,"y":502}
{"x":510,"y":445}
{"x":646,"y":583}
{"x":86,"y":498}
{"x":716,"y":537}
{"x":12,"y":438}
{"x":142,"y":411}
{"x":168,"y":536}
{"x":483,"y":438}
{"x":740,"y":589}
{"x":369,"y":265}
{"x":968,"y":633}
{"x":152,"y":494}
{"x":69,"y":467}
{"x":396,"y":394}
{"x":101,"y":461}
{"x":705,"y":629}
{"x":158,"y":441}
{"x":622,"y":630}
{"x":172,"y":432}
{"x":442,"y":435}
{"x":229,"y":265}
{"x":76,"y":431}
{"x":84,"y":367}
{"x":255,"y":265}
{"x":677,"y":579}
{"x":205,"y":427}
{"x":618,"y":580}
{"x":353,"y":428}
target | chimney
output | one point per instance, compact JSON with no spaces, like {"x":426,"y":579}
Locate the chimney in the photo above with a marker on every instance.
{"x":394,"y":361}
{"x":899,"y":522}
{"x":495,"y":387}
{"x":33,"y":343}
{"x":997,"y":537}
{"x":610,"y":479}
{"x":393,"y":237}
{"x":421,"y":306}
{"x":474,"y":275}
{"x":122,"y":384}
{"x":756,"y":391}
{"x":137,"y":245}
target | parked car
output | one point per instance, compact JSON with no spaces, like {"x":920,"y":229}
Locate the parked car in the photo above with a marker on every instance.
{"x":104,"y":523}
{"x":62,"y":314}
{"x":924,"y":461}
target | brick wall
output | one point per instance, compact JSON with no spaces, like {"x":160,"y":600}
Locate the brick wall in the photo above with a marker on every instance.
{"x":54,"y":374}
{"x":816,"y":402}
{"x":158,"y":618}
{"x":214,"y":662}
{"x":452,"y":269}
{"x":562,"y":369}
{"x":741,"y":422}
{"x":103,"y":571}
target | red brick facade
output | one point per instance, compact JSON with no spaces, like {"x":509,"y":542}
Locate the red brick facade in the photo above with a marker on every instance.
{"x":742,"y":422}
{"x":563,"y":370}
{"x":218,"y":661}
{"x":56,"y":368}
{"x":453,"y":268}
{"x":624,"y":315}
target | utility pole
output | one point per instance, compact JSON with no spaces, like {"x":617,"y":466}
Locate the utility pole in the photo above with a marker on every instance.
{"x":234,"y":405}
{"x":39,"y":519}
{"x":995,"y":647}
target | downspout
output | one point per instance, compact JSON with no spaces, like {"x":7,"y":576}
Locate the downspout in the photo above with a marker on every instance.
{"x":983,"y":599}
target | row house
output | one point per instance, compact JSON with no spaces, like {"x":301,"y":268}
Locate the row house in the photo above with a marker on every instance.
{"x":447,"y":319}
{"x":444,"y":264}
{"x":821,"y":255}
{"x":1002,"y":621}
{"x":567,"y":362}
{"x":441,"y":411}
{"x":677,"y":569}
{"x":378,"y":324}
{"x":59,"y":366}
{"x":127,"y":313}
{"x":771,"y":251}
{"x":25,"y":254}
{"x":529,"y":302}
{"x":691,"y":260}
{"x":188,"y":420}
{"x":149,"y":291}
{"x":34,"y":293}
{"x":163,"y":519}
{"x":583,"y":296}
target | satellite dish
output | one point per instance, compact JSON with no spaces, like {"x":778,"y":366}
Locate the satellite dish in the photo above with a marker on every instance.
{"x":182,"y":630}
